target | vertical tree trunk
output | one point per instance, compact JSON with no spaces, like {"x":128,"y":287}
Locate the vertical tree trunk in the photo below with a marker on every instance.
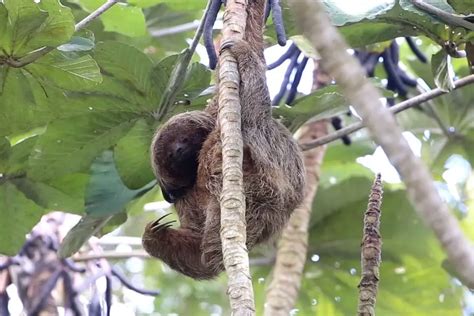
{"x":233,"y":226}
{"x":291,"y":256}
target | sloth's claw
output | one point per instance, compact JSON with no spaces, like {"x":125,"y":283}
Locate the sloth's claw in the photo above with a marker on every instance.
{"x":228,"y":43}
{"x":158,"y":227}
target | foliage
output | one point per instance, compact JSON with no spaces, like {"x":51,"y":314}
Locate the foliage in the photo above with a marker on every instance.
{"x":76,"y":124}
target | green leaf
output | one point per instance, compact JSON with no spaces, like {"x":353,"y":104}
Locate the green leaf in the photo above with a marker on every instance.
{"x":121,"y":18}
{"x":373,"y":22}
{"x":132,"y":156}
{"x":69,"y":145}
{"x":55,"y":198}
{"x":80,"y":233}
{"x":73,"y":74}
{"x":3,"y":28}
{"x":25,"y":18}
{"x":78,"y":44}
{"x":19,"y":215}
{"x":4,"y":153}
{"x":440,"y":4}
{"x":126,"y":63}
{"x":411,"y":270}
{"x":161,"y":74}
{"x":57,"y":29}
{"x":442,"y":70}
{"x":196,"y":81}
{"x":323,"y":103}
{"x":331,"y":199}
{"x":114,"y":88}
{"x":125,"y":19}
{"x":178,"y":5}
{"x":106,"y":194}
{"x":17,"y":106}
{"x":106,"y":197}
{"x":18,"y":158}
{"x":462,"y":6}
{"x":345,"y":13}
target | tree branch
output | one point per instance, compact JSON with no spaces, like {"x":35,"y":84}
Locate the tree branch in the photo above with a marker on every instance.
{"x":28,"y":59}
{"x":180,"y":69}
{"x":371,"y":252}
{"x":445,"y":17}
{"x":348,"y":73}
{"x":232,"y":203}
{"x":416,"y":100}
{"x":293,"y":246}
{"x":112,"y":255}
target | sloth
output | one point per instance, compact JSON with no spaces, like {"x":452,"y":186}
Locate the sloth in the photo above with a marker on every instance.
{"x":186,"y":155}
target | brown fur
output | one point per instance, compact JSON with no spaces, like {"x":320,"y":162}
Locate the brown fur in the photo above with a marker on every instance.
{"x":272,"y":168}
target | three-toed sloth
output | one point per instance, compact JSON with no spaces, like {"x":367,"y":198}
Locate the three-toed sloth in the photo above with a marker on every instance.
{"x":187,"y":160}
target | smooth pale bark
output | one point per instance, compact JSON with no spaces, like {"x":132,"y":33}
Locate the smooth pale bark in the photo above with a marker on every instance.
{"x":316,"y":26}
{"x":293,"y":245}
{"x":232,"y":204}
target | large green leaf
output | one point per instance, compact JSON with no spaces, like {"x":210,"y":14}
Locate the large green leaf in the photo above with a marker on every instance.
{"x":3,"y":28}
{"x":161,"y":75}
{"x":179,"y":5}
{"x":24,"y":18}
{"x":64,"y":193}
{"x":57,"y":29}
{"x":80,"y":233}
{"x":412,"y":280}
{"x":196,"y":81}
{"x":75,"y":74}
{"x":132,"y":156}
{"x":125,"y":19}
{"x":18,"y":216}
{"x":106,"y":194}
{"x":376,"y":21}
{"x":17,"y":162}
{"x":462,"y":6}
{"x":4,"y":153}
{"x":69,"y":145}
{"x":35,"y":24}
{"x":106,"y":197}
{"x":126,"y":63}
{"x":121,"y":18}
{"x":17,"y":105}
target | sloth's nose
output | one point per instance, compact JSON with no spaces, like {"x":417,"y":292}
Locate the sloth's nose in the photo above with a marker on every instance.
{"x":179,"y":148}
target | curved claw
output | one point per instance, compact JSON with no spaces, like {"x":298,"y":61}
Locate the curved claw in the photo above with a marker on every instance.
{"x":159,"y":219}
{"x":162,"y":226}
{"x":228,"y":43}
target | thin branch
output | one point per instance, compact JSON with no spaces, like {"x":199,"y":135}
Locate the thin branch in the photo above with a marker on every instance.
{"x":348,"y":73}
{"x":448,"y":18}
{"x":94,"y":15}
{"x":28,"y":59}
{"x":430,"y":108}
{"x":416,"y":100}
{"x":179,"y":71}
{"x":112,"y":255}
{"x":175,"y":29}
{"x":371,"y":252}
